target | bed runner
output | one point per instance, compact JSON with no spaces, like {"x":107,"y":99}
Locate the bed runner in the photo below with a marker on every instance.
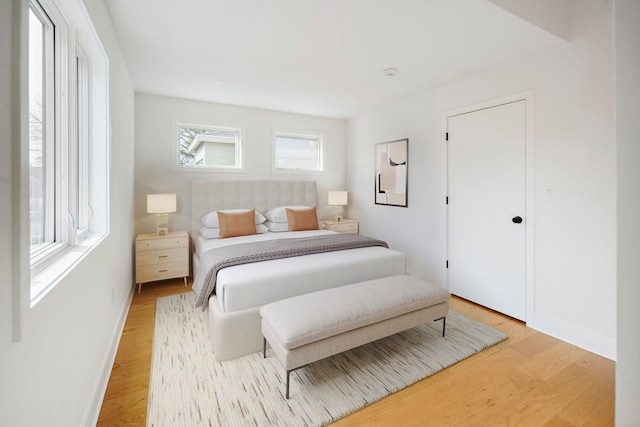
{"x":243,"y":253}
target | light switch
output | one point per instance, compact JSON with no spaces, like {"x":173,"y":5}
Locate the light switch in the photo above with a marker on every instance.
{"x":548,"y":193}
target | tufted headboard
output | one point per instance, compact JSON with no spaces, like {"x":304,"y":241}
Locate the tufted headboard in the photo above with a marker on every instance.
{"x":207,"y":196}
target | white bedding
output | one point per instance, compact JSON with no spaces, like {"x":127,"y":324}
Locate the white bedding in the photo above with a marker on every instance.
{"x":253,"y":285}
{"x":203,"y":245}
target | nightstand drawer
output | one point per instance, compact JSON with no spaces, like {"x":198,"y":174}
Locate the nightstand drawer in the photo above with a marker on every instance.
{"x":148,"y":273}
{"x":162,"y":243}
{"x":163,"y":256}
{"x":343,"y":227}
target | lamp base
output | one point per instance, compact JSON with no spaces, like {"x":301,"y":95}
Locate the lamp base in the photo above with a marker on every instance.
{"x":162,"y":224}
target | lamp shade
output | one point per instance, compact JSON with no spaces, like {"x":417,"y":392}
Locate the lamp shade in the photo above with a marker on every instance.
{"x":337,"y":198}
{"x":161,"y":203}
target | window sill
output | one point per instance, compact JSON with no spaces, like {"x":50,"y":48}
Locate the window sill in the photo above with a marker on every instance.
{"x":48,"y":277}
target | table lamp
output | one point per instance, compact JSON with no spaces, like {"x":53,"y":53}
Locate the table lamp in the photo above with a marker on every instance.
{"x":161,"y":205}
{"x":337,"y":198}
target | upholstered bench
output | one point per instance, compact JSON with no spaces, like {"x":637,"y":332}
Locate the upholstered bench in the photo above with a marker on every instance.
{"x":310,"y":327}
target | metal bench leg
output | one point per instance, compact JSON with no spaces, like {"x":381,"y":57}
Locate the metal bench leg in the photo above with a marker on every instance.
{"x":286,"y":394}
{"x":444,"y":323}
{"x":264,"y":356}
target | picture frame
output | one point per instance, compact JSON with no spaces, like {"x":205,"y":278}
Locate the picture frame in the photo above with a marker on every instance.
{"x":391,"y":177}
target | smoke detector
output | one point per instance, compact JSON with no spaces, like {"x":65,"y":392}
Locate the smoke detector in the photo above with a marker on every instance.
{"x":390,"y":72}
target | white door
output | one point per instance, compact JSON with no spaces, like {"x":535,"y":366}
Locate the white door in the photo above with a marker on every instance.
{"x":486,"y":207}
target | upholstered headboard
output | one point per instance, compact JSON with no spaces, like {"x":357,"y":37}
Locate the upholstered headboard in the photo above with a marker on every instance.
{"x":207,"y":196}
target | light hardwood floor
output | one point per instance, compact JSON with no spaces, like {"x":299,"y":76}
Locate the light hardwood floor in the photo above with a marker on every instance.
{"x":530,"y":379}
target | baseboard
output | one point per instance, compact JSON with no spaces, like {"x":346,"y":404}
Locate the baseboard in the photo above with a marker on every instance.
{"x":100,"y":388}
{"x":588,"y":340}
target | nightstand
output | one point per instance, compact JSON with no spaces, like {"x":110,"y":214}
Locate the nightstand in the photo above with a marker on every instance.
{"x":344,"y":226}
{"x":162,"y":257}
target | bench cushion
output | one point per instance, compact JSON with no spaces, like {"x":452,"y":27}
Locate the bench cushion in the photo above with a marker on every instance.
{"x":312,"y":317}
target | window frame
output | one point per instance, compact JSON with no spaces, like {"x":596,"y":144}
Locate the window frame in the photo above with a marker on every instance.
{"x":54,"y":54}
{"x":47,"y":104}
{"x":77,"y":124}
{"x":306,"y":135}
{"x":190,"y":124}
{"x":80,"y":185}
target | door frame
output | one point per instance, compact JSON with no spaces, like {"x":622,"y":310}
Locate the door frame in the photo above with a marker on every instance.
{"x":528,"y":97}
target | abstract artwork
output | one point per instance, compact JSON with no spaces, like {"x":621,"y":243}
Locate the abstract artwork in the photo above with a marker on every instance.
{"x":391,"y":173}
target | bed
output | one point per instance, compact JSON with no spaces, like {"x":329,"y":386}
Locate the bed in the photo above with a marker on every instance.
{"x":233,"y":310}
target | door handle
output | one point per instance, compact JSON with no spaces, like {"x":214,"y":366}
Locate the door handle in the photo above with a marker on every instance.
{"x":516,"y":220}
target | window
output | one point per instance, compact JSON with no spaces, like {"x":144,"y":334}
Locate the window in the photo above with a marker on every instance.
{"x":296,"y":152}
{"x":67,"y":137}
{"x":41,"y":128}
{"x":208,"y":147}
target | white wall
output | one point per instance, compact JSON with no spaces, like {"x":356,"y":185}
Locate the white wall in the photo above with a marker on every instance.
{"x":6,"y":136}
{"x":627,"y":34}
{"x":156,"y":145}
{"x":56,"y":374}
{"x":574,"y":146}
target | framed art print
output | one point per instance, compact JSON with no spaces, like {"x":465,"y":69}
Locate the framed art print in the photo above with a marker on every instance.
{"x":391,"y":173}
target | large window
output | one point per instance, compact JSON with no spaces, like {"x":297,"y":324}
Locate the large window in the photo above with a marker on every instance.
{"x":297,"y":152}
{"x":209,"y":146}
{"x":67,"y":138}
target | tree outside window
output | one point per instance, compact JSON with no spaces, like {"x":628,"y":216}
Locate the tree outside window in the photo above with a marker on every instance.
{"x":208,"y":146}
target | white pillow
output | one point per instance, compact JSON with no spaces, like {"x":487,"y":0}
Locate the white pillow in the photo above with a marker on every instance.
{"x":277,"y":227}
{"x":279,"y":214}
{"x":214,"y":233}
{"x":211,"y":219}
{"x":210,"y":233}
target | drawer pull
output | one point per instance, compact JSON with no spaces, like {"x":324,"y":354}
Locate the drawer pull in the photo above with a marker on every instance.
{"x":163,"y":256}
{"x":163,"y":271}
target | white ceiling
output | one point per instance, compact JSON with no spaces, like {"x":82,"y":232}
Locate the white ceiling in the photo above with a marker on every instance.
{"x":318,"y":57}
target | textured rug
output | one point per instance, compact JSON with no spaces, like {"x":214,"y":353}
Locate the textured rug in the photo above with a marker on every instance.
{"x":189,"y":388}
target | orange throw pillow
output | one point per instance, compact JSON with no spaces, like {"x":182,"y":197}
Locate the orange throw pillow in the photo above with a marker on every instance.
{"x":303,"y":219}
{"x":234,"y":224}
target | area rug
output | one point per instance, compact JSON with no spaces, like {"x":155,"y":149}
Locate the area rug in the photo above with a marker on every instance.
{"x":189,"y":388}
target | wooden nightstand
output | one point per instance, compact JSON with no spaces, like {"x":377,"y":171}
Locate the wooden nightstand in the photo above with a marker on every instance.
{"x":162,"y":257}
{"x":344,"y":226}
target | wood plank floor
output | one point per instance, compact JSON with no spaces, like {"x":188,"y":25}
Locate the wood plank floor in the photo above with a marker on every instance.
{"x":530,"y":379}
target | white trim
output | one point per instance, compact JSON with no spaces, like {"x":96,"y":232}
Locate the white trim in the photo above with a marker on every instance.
{"x":528,"y":97}
{"x":597,"y":343}
{"x":82,"y":145}
{"x":92,"y":413}
{"x":67,"y":257}
{"x":20,"y":237}
{"x":304,"y":134}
